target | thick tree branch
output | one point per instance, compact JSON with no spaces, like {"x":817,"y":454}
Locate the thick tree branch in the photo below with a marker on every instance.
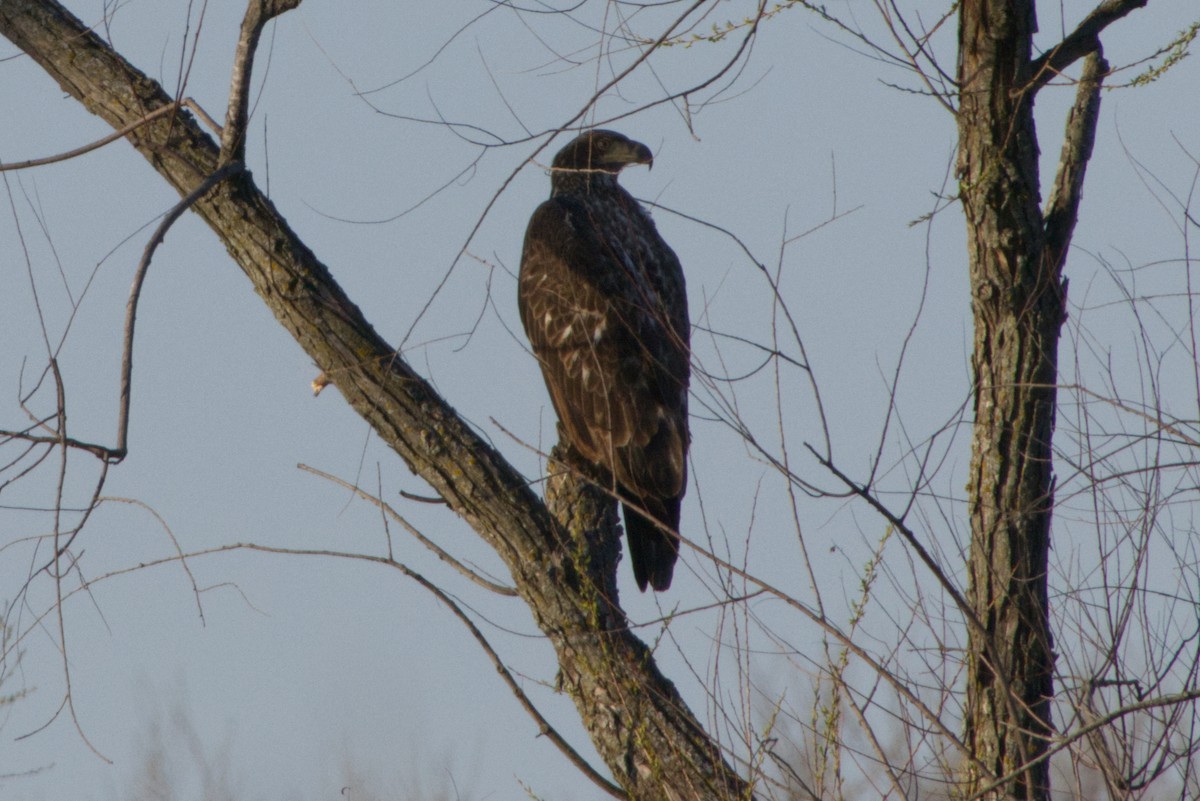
{"x":1062,"y":208}
{"x":258,"y":14}
{"x":652,"y":744}
{"x":1082,"y":41}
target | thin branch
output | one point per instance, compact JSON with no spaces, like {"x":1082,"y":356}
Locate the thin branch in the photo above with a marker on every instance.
{"x":1177,"y":699}
{"x":499,"y":589}
{"x":1012,"y":699}
{"x":203,"y":115}
{"x":183,"y":557}
{"x":135,"y":291}
{"x":88,"y":148}
{"x":117,"y":453}
{"x":100,"y":451}
{"x":909,"y":536}
{"x":544,"y":726}
{"x":57,"y":572}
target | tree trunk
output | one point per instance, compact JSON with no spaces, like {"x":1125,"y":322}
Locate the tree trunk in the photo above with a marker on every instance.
{"x":564,"y":571}
{"x":1018,"y":302}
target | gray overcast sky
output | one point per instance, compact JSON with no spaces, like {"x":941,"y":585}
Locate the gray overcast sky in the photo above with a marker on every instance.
{"x":300,"y":665}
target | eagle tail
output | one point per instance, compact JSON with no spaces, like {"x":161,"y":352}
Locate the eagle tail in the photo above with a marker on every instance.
{"x":652,"y":550}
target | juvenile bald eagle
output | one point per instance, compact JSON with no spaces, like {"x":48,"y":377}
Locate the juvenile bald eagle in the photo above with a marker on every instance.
{"x":602,"y":299}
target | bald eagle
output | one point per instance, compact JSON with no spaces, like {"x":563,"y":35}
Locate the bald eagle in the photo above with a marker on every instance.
{"x":602,"y":299}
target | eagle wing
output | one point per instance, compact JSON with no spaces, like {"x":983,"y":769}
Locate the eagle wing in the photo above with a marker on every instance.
{"x":610,"y":334}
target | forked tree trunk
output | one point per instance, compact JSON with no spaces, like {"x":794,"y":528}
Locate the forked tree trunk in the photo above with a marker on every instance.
{"x":1018,"y":299}
{"x":650,"y":741}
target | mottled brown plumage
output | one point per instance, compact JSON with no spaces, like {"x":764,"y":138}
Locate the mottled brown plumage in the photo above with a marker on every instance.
{"x":602,"y":299}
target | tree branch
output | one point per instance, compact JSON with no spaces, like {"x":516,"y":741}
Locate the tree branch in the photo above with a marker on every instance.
{"x":258,"y":14}
{"x":135,"y":291}
{"x":651,"y":742}
{"x":440,"y":552}
{"x":526,"y":703}
{"x":1062,"y":207}
{"x":1082,"y":41}
{"x":88,"y":148}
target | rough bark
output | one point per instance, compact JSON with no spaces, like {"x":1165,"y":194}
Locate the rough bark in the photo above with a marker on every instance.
{"x":651,"y":742}
{"x":1016,"y":256}
{"x":1018,"y":307}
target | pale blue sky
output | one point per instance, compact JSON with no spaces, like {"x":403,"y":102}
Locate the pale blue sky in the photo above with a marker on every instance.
{"x":300,"y":664}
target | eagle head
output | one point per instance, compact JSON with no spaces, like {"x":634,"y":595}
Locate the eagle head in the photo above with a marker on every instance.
{"x":601,"y":150}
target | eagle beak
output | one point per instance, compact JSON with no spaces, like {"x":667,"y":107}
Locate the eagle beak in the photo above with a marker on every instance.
{"x":637,"y":153}
{"x":642,"y":155}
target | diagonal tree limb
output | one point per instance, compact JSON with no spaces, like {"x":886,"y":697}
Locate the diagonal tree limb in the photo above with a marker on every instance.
{"x":650,"y":741}
{"x":1082,"y":41}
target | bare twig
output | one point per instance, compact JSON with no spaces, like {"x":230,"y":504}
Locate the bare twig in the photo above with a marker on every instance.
{"x":57,"y":572}
{"x":499,"y":589}
{"x":411,"y":496}
{"x":544,"y":726}
{"x":183,"y":557}
{"x":99,"y":451}
{"x":202,"y":115}
{"x":88,"y":148}
{"x":119,"y":452}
